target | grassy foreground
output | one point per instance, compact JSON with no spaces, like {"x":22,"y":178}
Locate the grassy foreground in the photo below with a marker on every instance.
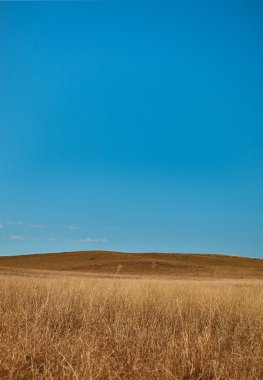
{"x":76,"y":327}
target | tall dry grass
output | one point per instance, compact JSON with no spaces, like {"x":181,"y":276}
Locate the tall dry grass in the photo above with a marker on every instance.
{"x":69,"y":328}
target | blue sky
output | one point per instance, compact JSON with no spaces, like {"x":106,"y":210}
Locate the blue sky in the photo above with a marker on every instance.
{"x":132,"y":126}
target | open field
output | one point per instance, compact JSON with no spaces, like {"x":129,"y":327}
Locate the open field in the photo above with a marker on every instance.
{"x":74,"y":326}
{"x":111,"y":315}
{"x":154,"y":264}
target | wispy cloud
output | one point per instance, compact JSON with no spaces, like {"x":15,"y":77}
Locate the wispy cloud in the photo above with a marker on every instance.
{"x":91,"y":240}
{"x":19,"y":231}
{"x":35,"y":225}
{"x":18,"y":223}
{"x":81,"y":240}
{"x":72,"y":227}
{"x":16,"y":237}
{"x":21,"y":223}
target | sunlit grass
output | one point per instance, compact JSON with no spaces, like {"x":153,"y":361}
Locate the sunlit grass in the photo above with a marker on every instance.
{"x":81,"y":328}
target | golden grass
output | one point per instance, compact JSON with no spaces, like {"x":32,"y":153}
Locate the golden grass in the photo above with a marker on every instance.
{"x":71,"y":327}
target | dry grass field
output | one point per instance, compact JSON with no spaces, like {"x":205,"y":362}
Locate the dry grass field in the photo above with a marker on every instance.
{"x":62,"y":325}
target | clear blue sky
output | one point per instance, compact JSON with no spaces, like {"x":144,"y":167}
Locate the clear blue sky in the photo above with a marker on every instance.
{"x":132,"y":126}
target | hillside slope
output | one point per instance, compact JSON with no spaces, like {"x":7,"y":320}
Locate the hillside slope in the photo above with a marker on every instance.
{"x":107,"y":262}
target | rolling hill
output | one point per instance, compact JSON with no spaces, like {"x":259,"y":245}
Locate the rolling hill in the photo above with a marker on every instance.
{"x":107,"y":262}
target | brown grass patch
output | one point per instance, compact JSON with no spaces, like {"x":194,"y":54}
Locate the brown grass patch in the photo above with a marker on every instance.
{"x":182,"y":265}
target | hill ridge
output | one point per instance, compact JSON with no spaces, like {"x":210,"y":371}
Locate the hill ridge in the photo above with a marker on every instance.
{"x":145,"y":263}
